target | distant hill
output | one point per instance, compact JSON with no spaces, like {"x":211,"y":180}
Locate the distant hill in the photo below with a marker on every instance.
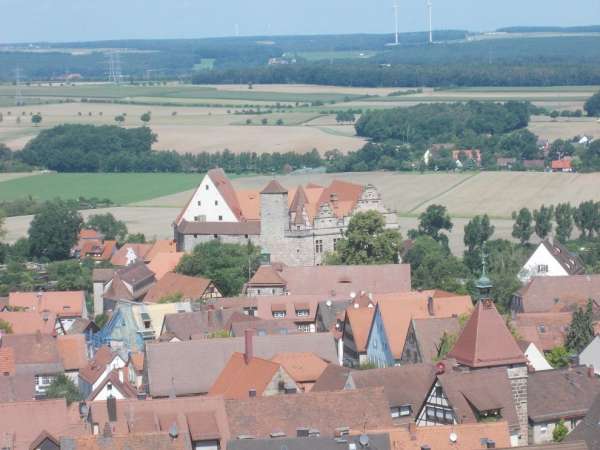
{"x":534,"y":29}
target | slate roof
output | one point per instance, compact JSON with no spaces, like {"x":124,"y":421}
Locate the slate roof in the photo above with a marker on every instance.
{"x":561,"y":393}
{"x":403,"y":385}
{"x":328,"y":313}
{"x":379,"y":441}
{"x":191,"y":288}
{"x":558,"y":294}
{"x":191,"y":367}
{"x":484,"y":389}
{"x":333,"y":378}
{"x":486,"y":341}
{"x":588,"y":430}
{"x":80,"y":326}
{"x":239,"y":376}
{"x":322,"y":411}
{"x":429,"y":333}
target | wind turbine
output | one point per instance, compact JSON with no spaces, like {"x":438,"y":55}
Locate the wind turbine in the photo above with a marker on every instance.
{"x":429,"y":6}
{"x":396,"y":7}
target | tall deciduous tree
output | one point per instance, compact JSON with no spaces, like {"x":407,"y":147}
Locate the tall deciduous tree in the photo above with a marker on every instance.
{"x":581,"y":330}
{"x":63,"y":387}
{"x":592,"y":105}
{"x":146,"y":117}
{"x":522,"y":228}
{"x":543,"y":221}
{"x":228,"y":265}
{"x":36,"y":119}
{"x":53,"y":231}
{"x":2,"y":229}
{"x":106,"y":224}
{"x":478,"y":231}
{"x":587,"y":218}
{"x":433,"y":221}
{"x":563,"y":215}
{"x":367,"y":241}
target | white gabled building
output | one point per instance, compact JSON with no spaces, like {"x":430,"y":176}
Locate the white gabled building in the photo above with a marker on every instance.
{"x":551,"y":260}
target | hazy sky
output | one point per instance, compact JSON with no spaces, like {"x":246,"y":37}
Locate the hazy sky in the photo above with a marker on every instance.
{"x":71,"y":20}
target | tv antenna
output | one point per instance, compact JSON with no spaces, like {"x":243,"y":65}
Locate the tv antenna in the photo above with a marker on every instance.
{"x":114,"y":67}
{"x":18,"y":94}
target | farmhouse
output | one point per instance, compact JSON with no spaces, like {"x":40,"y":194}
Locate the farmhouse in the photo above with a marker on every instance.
{"x":295,"y":227}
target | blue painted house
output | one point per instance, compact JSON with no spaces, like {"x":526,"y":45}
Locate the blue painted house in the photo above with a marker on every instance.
{"x":378,"y":347}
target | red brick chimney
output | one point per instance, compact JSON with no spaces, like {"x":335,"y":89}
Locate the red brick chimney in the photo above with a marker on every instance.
{"x":249,"y":345}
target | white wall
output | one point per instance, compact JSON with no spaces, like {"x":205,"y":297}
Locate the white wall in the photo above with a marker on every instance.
{"x":536,"y":358}
{"x":541,"y":257}
{"x":207,"y":207}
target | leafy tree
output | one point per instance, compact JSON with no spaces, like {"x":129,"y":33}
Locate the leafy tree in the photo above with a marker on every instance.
{"x":433,"y":220}
{"x":106,"y":224}
{"x":581,"y":330}
{"x":560,"y":431}
{"x":279,"y":122}
{"x":587,"y":218}
{"x":136,"y":238}
{"x":2,"y":229}
{"x":264,"y":121}
{"x":36,"y":119}
{"x":5,"y":327}
{"x":446,"y":343}
{"x":592,"y":105}
{"x":522,"y":228}
{"x":563,"y":215}
{"x":505,"y":260}
{"x":54,"y":230}
{"x":120,"y":119}
{"x":367,"y":241}
{"x":543,"y":221}
{"x":558,"y":357}
{"x":70,"y":275}
{"x":146,"y":118}
{"x":228,"y":265}
{"x":434,"y":267}
{"x":477,"y":232}
{"x":63,"y":387}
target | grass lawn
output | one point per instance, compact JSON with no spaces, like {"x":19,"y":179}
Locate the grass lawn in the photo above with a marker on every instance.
{"x":121,"y":188}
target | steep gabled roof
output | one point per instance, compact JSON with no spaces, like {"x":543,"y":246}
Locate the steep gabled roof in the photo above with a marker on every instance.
{"x":301,"y":366}
{"x":225,"y":188}
{"x":360,"y":320}
{"x":588,"y":429}
{"x":486,"y":341}
{"x":569,"y":261}
{"x":191,"y":288}
{"x":274,"y":187}
{"x":267,"y":276}
{"x":163,"y":263}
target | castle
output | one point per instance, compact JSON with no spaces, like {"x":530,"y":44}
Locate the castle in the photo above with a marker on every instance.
{"x":296,"y":227}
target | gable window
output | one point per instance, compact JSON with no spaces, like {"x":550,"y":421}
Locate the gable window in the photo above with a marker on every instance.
{"x":199,"y":203}
{"x":216,"y":202}
{"x":319,"y":246}
{"x":542,"y":268}
{"x":207,"y":187}
{"x":220,"y":218}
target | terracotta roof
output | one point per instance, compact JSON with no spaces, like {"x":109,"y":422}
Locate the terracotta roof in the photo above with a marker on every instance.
{"x":588,"y":430}
{"x":249,"y":201}
{"x":72,"y":350}
{"x":34,"y":350}
{"x":473,"y":436}
{"x":398,"y":309}
{"x":377,"y":441}
{"x":561,"y":393}
{"x":429,"y":333}
{"x":137,"y":359}
{"x":561,"y":164}
{"x":23,"y":422}
{"x":120,"y":257}
{"x":17,"y":388}
{"x":63,"y":303}
{"x":126,"y":389}
{"x":185,"y":325}
{"x":480,"y":390}
{"x":274,"y":187}
{"x":267,"y":276}
{"x":360,"y":320}
{"x":572,"y":264}
{"x":486,"y":341}
{"x":159,"y":415}
{"x":191,"y":367}
{"x":333,"y":378}
{"x":163,"y":263}
{"x":108,"y":250}
{"x":558,"y":294}
{"x":92,"y":371}
{"x":342,"y":196}
{"x":191,"y":288}
{"x":160,"y":246}
{"x":102,"y":275}
{"x":340,"y":281}
{"x":299,"y":201}
{"x":7,"y":361}
{"x":322,"y":411}
{"x":303,"y":367}
{"x":238,"y":377}
{"x":403,"y":385}
{"x":138,"y":441}
{"x":251,"y":228}
{"x":89,"y":233}
{"x":545,"y":330}
{"x":29,"y":322}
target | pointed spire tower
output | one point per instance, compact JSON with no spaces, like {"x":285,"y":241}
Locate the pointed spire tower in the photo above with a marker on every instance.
{"x":484,"y":284}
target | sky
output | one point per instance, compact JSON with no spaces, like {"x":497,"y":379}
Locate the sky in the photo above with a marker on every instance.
{"x":87,"y":20}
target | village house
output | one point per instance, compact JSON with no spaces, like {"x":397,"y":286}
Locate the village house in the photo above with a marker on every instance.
{"x":191,"y":367}
{"x":192,"y":289}
{"x":424,"y":337}
{"x":546,"y":330}
{"x":263,"y":327}
{"x":130,"y":253}
{"x":305,"y":368}
{"x":355,"y":333}
{"x":163,"y":263}
{"x":334,"y":282}
{"x":562,"y":165}
{"x":379,"y":441}
{"x":98,"y":368}
{"x":551,"y":260}
{"x":296,"y":227}
{"x":146,"y":440}
{"x":91,"y":244}
{"x":135,"y":369}
{"x":30,"y":322}
{"x":392,"y":318}
{"x":73,"y":353}
{"x":199,"y":324}
{"x":114,"y":385}
{"x":128,"y":284}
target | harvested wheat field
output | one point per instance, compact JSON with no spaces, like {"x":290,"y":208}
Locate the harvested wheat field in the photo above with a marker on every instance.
{"x":563,"y":127}
{"x":305,"y":89}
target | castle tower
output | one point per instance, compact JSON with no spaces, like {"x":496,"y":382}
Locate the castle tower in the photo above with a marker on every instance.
{"x":274,"y":218}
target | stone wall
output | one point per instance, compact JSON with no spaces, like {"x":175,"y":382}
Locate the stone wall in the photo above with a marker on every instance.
{"x":189,"y":241}
{"x":517,"y":376}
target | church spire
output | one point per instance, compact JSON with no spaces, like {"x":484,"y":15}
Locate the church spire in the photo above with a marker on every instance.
{"x":484,"y":284}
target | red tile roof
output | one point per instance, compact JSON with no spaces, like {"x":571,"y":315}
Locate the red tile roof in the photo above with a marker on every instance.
{"x":163,"y":263}
{"x":7,"y":361}
{"x":191,"y":288}
{"x":29,"y":322}
{"x":360,"y":320}
{"x":138,"y":441}
{"x":72,"y":351}
{"x":92,"y":371}
{"x":63,"y":304}
{"x":238,"y":377}
{"x":558,"y":294}
{"x":304,"y":367}
{"x":226,"y":190}
{"x":267,"y":275}
{"x":560,"y":164}
{"x":545,"y":330}
{"x":160,"y":246}
{"x":120,"y":257}
{"x":486,"y":341}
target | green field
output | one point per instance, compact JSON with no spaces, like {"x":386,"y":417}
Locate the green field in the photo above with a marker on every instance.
{"x":120,"y":188}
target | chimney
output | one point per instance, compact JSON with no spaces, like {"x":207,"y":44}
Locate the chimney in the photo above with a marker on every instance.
{"x":111,"y":405}
{"x":412,"y":429}
{"x":249,"y":345}
{"x":430,"y":309}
